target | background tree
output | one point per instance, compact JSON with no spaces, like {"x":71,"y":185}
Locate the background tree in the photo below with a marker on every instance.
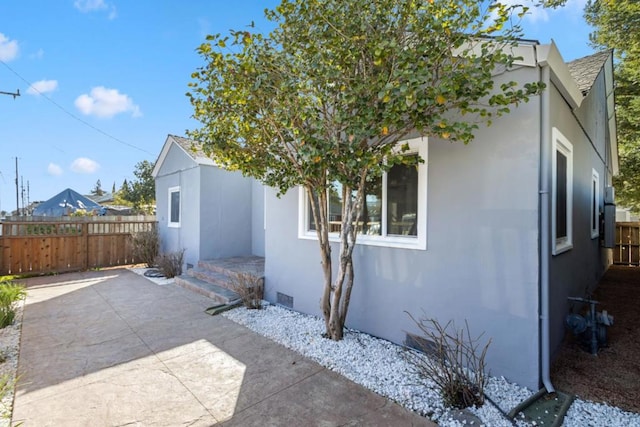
{"x":616,"y":25}
{"x":323,"y":100}
{"x":141,"y":192}
{"x":97,"y":189}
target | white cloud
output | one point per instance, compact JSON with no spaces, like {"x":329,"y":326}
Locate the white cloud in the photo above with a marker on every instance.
{"x":84,"y":165}
{"x":106,"y":103}
{"x":8,"y":48}
{"x":86,"y":6}
{"x":54,"y":169}
{"x":42,"y":87}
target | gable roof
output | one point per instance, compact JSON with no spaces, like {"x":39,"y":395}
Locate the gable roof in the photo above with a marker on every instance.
{"x":585,"y":70}
{"x":191,"y":148}
{"x":65,"y":203}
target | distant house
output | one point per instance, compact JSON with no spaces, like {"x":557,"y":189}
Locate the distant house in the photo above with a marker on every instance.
{"x":106,"y":201}
{"x":67,"y":202}
{"x":499,"y":232}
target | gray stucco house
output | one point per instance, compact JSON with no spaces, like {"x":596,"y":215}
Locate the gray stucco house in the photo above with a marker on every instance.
{"x":499,"y":232}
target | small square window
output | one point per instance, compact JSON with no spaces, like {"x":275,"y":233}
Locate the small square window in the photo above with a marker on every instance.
{"x":174,"y":207}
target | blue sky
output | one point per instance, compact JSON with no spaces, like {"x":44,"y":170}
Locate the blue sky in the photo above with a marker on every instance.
{"x":114,"y":73}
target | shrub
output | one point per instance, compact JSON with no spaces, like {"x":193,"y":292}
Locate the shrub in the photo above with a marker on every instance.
{"x":146,"y":246}
{"x":10,"y":293}
{"x":170,"y":264}
{"x":250,"y":288}
{"x":451,"y":359}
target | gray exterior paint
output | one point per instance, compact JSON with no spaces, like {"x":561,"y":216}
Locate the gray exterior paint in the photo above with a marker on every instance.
{"x":217,"y":208}
{"x":483,"y":254}
{"x":577,"y":271}
{"x":483,"y":239}
{"x":257,"y":218}
{"x":480,"y":262}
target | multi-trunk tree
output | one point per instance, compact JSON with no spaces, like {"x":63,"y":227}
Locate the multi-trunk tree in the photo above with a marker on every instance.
{"x":325,"y":100}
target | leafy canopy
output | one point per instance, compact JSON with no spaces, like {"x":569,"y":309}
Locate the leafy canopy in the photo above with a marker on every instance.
{"x":141,"y":192}
{"x":616,"y":26}
{"x":329,"y":92}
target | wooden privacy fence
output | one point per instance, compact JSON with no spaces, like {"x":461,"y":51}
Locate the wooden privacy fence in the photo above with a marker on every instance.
{"x":627,"y":250}
{"x":55,"y":245}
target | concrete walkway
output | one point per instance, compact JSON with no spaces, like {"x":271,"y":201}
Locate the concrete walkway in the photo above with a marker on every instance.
{"x":111,"y":348}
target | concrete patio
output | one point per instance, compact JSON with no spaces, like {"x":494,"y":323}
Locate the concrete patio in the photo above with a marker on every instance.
{"x":109,"y":348}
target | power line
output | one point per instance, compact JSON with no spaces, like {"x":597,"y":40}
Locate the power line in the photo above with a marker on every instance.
{"x":70,"y":114}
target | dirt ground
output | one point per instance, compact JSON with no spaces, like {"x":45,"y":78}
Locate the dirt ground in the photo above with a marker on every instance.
{"x":613,"y":376}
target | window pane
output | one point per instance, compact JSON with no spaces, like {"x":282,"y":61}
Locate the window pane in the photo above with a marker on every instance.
{"x":311,"y":226}
{"x":561,"y":195}
{"x":594,"y":208}
{"x":402,"y":200}
{"x":370,"y":218}
{"x":175,"y":206}
{"x":335,"y":207}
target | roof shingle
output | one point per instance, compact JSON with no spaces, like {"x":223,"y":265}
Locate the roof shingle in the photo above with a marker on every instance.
{"x":585,"y":70}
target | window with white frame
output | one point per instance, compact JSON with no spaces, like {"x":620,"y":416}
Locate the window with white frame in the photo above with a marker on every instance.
{"x":394,"y":213}
{"x":595,"y":204}
{"x":562,"y":197}
{"x":174,"y":207}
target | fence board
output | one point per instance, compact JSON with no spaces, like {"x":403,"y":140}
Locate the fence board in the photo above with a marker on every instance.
{"x":627,"y":250}
{"x":47,"y":245}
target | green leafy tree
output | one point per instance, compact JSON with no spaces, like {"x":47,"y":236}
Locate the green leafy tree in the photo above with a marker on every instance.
{"x":97,"y":189}
{"x":141,"y":192}
{"x":616,"y":25}
{"x":323,"y":100}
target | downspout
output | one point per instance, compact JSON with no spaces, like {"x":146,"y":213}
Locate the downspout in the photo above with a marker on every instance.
{"x":545,"y":231}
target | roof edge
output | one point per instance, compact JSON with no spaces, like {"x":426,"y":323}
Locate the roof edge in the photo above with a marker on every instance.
{"x":548,"y":55}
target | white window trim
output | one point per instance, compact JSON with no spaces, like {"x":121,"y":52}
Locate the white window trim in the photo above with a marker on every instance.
{"x":169,"y":223}
{"x":416,"y":146}
{"x":561,"y":143}
{"x":595,"y":207}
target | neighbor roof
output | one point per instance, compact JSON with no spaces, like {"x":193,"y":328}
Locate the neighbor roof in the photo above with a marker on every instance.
{"x":585,"y":70}
{"x":65,"y":203}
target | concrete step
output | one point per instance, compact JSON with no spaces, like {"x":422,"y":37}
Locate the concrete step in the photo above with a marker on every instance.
{"x":213,"y":277}
{"x":253,"y":265}
{"x":211,"y":290}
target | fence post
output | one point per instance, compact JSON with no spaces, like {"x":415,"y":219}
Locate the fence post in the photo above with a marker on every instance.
{"x":85,"y":231}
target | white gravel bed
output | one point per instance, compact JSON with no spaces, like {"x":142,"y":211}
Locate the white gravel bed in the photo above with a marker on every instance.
{"x":379,"y":366}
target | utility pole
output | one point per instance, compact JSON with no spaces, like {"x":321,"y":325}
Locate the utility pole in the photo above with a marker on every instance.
{"x":22,"y":195}
{"x":17,"y":191}
{"x":14,"y":94}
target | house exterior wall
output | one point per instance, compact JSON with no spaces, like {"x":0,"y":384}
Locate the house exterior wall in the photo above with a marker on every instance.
{"x":257,"y":218}
{"x":577,"y":271}
{"x":481,"y":262}
{"x":225,"y":213}
{"x":179,"y":170}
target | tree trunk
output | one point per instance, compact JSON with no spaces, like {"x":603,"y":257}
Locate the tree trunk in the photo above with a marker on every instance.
{"x":319,"y":206}
{"x":343,"y":284}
